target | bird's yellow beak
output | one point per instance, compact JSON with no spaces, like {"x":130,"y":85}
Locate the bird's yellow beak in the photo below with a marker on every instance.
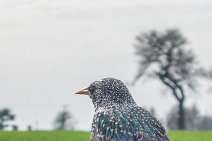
{"x":83,"y":91}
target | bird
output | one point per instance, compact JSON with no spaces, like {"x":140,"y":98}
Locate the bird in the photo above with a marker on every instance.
{"x":117,"y":117}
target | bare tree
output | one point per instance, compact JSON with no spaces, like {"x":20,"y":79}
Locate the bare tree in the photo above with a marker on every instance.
{"x":5,"y":116}
{"x":205,"y":123}
{"x":64,"y":120}
{"x":192,"y":118}
{"x":163,"y":55}
{"x":172,"y":117}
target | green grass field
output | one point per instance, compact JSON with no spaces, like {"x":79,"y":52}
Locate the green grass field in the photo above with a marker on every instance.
{"x":84,"y":136}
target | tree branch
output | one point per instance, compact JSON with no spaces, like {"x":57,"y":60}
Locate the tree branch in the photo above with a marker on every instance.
{"x":162,"y":78}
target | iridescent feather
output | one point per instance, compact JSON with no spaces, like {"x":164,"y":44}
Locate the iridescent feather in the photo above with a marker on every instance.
{"x":118,"y":118}
{"x":131,"y":124}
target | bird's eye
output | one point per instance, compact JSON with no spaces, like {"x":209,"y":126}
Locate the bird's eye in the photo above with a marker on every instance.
{"x":91,"y":89}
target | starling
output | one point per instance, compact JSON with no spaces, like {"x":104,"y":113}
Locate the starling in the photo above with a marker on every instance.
{"x":117,"y":116}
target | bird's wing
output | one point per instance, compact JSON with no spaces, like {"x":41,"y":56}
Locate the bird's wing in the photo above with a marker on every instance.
{"x":151,"y":126}
{"x":135,"y":124}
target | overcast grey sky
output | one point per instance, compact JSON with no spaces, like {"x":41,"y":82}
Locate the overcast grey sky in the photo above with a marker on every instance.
{"x":49,"y":49}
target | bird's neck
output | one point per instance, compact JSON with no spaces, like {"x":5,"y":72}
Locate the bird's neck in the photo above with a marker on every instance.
{"x":109,"y":105}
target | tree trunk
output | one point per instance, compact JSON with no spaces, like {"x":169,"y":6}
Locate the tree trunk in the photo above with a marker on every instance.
{"x":181,"y":120}
{"x":178,"y":93}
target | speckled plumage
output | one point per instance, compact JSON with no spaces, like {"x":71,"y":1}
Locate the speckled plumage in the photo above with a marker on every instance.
{"x":118,"y":118}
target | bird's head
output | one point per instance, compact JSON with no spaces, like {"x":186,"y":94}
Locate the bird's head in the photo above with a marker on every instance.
{"x":108,"y":92}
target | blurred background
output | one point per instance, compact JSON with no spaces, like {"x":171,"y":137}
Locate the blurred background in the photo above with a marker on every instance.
{"x":49,"y":49}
